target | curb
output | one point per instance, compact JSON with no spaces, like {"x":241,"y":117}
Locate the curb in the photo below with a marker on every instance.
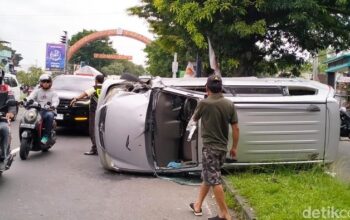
{"x":244,"y":210}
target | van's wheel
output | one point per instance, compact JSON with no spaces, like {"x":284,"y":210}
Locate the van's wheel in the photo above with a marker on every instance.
{"x":24,"y":148}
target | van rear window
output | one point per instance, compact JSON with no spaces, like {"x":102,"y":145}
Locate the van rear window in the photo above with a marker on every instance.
{"x":301,"y":91}
{"x":263,"y":91}
{"x":255,"y":91}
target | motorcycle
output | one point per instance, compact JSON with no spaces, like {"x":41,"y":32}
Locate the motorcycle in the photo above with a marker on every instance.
{"x":5,"y":164}
{"x":31,"y":129}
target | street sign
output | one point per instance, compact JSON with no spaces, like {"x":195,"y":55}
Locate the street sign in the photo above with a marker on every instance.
{"x":55,"y":57}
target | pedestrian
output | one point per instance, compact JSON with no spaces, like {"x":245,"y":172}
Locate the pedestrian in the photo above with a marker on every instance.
{"x":93,"y":93}
{"x":216,"y":114}
{"x":189,"y":73}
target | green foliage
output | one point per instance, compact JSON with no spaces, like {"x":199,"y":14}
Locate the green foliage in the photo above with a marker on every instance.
{"x":159,"y":60}
{"x":86,"y":52}
{"x":16,"y":57}
{"x":119,"y":67}
{"x":30,"y":78}
{"x":248,"y":36}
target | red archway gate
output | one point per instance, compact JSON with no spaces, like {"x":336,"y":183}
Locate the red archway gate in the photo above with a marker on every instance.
{"x":101,"y":34}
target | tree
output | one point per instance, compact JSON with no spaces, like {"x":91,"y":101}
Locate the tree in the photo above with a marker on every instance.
{"x":119,"y":67}
{"x":15,"y":57}
{"x":249,"y":37}
{"x":30,"y":78}
{"x":86,"y":53}
{"x":159,"y":60}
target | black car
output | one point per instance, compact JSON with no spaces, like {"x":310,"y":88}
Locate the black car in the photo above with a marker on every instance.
{"x":68,"y":87}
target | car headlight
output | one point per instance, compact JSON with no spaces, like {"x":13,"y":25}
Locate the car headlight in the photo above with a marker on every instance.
{"x":30,"y":116}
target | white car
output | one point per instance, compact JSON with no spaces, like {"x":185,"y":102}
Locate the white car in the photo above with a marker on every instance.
{"x":12,"y":81}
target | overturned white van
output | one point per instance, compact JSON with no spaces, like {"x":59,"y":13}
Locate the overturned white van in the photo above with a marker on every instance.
{"x":141,"y":126}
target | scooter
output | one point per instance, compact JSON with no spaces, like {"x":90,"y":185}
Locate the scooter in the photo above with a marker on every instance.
{"x":5,"y":164}
{"x":31,"y":129}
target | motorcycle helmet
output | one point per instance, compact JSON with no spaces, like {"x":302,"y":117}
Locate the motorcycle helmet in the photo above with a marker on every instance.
{"x":45,"y":78}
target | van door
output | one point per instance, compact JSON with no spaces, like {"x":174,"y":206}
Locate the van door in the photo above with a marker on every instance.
{"x":171,"y":110}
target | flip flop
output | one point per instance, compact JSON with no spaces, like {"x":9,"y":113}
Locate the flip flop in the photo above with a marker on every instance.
{"x":194,"y":211}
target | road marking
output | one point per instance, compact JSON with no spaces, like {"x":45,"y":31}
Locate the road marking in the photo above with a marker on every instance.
{"x":15,"y":150}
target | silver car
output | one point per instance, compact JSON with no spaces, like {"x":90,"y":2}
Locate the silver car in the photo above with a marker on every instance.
{"x":141,"y":126}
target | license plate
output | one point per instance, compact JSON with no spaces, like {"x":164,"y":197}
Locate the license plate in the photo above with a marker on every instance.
{"x":24,"y":125}
{"x":59,"y":117}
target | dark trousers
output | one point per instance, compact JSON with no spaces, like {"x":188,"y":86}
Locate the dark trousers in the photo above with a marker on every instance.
{"x":91,"y":129}
{"x":48,"y":117}
{"x":4,"y":139}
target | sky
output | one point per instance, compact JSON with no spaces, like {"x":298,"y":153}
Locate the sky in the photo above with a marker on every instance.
{"x":29,"y":24}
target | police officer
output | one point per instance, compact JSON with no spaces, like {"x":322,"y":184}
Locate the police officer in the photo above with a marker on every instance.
{"x":93,"y":93}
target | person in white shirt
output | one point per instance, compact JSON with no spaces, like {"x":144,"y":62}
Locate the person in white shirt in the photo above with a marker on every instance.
{"x":44,"y":94}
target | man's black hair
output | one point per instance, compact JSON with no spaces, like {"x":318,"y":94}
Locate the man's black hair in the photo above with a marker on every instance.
{"x":100,"y":78}
{"x":215,"y":88}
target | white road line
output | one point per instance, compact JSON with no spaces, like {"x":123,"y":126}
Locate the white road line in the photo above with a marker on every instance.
{"x":15,"y":150}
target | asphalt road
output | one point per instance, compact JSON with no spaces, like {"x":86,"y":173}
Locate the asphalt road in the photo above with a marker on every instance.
{"x":65,"y":184}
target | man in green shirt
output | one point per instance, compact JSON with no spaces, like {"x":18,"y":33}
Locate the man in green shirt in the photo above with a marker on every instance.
{"x":216,"y":114}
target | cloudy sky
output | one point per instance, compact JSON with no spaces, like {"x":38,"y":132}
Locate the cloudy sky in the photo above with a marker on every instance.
{"x":29,"y":24}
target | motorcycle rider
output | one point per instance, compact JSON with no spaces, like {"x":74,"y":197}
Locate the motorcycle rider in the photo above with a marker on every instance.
{"x":43,"y":95}
{"x":9,"y":112}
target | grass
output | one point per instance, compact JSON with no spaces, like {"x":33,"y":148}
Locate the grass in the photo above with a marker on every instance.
{"x":286,"y":192}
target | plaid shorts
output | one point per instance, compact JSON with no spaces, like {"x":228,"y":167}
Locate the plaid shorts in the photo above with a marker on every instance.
{"x":212,"y":161}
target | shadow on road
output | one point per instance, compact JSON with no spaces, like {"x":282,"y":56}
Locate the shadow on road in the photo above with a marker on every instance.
{"x":38,"y":155}
{"x":72,"y":131}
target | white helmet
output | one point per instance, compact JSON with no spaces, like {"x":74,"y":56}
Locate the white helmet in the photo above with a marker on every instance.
{"x":45,"y":77}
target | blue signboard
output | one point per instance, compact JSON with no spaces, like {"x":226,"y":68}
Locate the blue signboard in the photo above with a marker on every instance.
{"x":55,"y":56}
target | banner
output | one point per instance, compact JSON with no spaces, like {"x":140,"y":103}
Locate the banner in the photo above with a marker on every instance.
{"x":55,"y":57}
